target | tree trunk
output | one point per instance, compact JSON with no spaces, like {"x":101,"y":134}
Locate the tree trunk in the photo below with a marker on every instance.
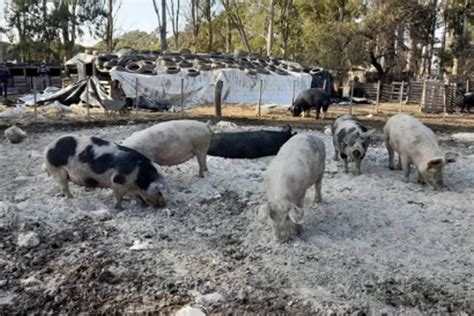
{"x":110,"y":26}
{"x":271,"y":18}
{"x":195,"y":21}
{"x":228,"y":37}
{"x":373,"y":60}
{"x":208,"y":14}
{"x":164,"y":44}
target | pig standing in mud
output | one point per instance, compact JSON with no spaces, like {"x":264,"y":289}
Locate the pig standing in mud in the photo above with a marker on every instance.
{"x":173,"y":142}
{"x":415,"y":144}
{"x":95,"y":162}
{"x":351,"y":140}
{"x":298,"y":165}
{"x":311,"y":98}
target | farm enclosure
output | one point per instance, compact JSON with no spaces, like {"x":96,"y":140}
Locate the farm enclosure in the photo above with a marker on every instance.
{"x":375,"y":245}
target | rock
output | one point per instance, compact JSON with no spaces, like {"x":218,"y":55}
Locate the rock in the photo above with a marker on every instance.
{"x":28,"y":240}
{"x":210,"y":299}
{"x":30,"y":282}
{"x":101,"y":215}
{"x":15,"y":134}
{"x":8,"y":215}
{"x":190,"y":311}
{"x":141,"y":245}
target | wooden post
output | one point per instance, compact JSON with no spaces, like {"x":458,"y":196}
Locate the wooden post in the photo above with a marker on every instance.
{"x":352,"y":96}
{"x":467,"y":85}
{"x":401,"y":96}
{"x":182,"y":97}
{"x":259,"y":104}
{"x":445,"y":100}
{"x":137,"y":97}
{"x":377,"y":99}
{"x":324,"y":84}
{"x":34,"y":99}
{"x":293,"y":93}
{"x":87,"y":97}
{"x":423,"y":96}
{"x":218,"y":98}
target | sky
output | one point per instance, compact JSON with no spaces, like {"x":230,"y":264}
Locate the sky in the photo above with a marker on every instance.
{"x":133,"y":15}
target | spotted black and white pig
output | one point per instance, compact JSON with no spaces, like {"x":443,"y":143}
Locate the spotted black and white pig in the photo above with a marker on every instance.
{"x":351,"y":140}
{"x":299,"y":165}
{"x":173,"y":142}
{"x":249,"y":144}
{"x":415,"y":144}
{"x":95,"y":162}
{"x":466,"y":101}
{"x":311,"y":98}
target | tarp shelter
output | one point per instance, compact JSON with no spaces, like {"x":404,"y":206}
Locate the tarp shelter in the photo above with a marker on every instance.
{"x":77,"y":92}
{"x":238,"y":87}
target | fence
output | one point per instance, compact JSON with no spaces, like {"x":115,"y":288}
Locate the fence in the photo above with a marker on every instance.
{"x":22,"y":78}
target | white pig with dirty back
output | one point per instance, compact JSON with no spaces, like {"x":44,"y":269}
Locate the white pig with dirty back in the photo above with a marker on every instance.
{"x":351,"y":140}
{"x":298,"y":165}
{"x":415,"y":144}
{"x":173,"y":142}
{"x":95,"y":162}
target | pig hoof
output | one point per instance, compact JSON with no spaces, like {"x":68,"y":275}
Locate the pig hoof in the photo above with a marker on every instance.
{"x":391,"y":167}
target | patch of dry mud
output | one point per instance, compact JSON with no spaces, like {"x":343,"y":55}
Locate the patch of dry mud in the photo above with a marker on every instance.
{"x":376,"y":245}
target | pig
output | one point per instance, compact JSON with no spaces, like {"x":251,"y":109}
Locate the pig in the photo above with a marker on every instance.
{"x":96,"y":162}
{"x":351,"y":140}
{"x":298,"y":165}
{"x":311,"y":98}
{"x":249,"y":144}
{"x":173,"y":142}
{"x":415,"y":144}
{"x":466,"y":101}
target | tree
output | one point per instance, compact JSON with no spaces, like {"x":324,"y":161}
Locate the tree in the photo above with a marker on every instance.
{"x":271,"y":19}
{"x":161,"y":23}
{"x":113,"y":7}
{"x":174,"y":13}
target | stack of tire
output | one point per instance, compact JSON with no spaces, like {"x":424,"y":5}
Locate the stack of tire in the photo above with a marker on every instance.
{"x":193,"y":64}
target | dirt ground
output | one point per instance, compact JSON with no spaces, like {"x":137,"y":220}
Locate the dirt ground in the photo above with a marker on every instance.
{"x":375,"y":246}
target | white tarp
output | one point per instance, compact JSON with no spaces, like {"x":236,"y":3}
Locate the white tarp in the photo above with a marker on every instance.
{"x":238,"y":86}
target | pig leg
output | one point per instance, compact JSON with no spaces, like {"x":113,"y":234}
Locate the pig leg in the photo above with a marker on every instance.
{"x":399,"y":167}
{"x":201,"y":158}
{"x":317,"y":191}
{"x":357,"y":163}
{"x":318,"y":111}
{"x":336,"y":154}
{"x":119,"y":192}
{"x":405,"y":168}
{"x":61,"y":177}
{"x":346,"y":165}
{"x":420,"y":178}
{"x":391,"y":157}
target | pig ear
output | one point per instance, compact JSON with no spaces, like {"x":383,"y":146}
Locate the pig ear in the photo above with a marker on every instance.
{"x":436,"y":162}
{"x":296,"y":214}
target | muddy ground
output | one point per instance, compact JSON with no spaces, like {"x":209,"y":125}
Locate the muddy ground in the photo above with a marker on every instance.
{"x":376,"y":245}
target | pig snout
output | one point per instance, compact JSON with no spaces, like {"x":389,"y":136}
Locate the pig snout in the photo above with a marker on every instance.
{"x":356,"y":153}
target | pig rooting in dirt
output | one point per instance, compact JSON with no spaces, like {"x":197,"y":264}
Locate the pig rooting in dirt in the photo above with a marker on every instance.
{"x":173,"y":142}
{"x":351,"y":140}
{"x":415,"y":144}
{"x":298,"y":165}
{"x":95,"y":162}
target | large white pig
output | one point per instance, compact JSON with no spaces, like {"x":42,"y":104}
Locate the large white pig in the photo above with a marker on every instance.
{"x":173,"y":142}
{"x":298,"y":165}
{"x":415,"y":144}
{"x":96,"y":162}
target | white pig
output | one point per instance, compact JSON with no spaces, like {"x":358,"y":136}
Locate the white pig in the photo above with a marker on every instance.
{"x":415,"y":144}
{"x":173,"y":142}
{"x":298,"y":165}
